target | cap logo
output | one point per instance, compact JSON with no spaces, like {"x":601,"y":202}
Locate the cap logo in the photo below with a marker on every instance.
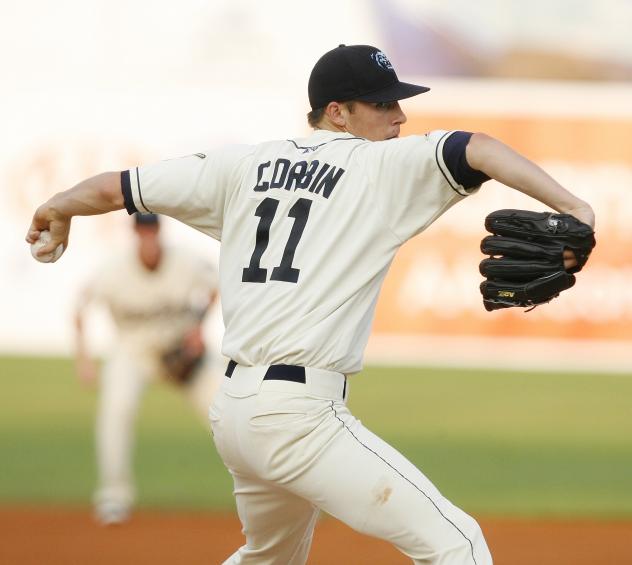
{"x":382,"y":60}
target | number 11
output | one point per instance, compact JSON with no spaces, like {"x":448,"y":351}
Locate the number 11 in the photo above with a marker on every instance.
{"x":284,"y":272}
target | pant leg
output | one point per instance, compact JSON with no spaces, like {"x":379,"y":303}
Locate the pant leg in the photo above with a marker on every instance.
{"x":278,"y":525}
{"x":121,"y":387}
{"x":377,"y":491}
{"x":316,"y":450}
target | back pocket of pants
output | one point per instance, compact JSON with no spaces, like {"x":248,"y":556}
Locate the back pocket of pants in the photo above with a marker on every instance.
{"x":277,"y":418}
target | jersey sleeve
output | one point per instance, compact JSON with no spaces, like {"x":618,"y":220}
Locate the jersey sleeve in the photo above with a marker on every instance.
{"x":193,"y":189}
{"x":412,"y":182}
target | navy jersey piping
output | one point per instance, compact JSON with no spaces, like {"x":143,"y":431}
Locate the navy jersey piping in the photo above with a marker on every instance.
{"x":314,"y":147}
{"x":140,"y":194}
{"x":439,"y":162}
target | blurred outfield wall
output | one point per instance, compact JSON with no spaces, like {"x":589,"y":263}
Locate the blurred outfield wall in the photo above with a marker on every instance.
{"x":107,"y":84}
{"x":430,"y":310}
{"x":57,"y":139}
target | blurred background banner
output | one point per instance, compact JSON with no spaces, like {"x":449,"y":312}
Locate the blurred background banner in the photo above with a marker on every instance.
{"x":576,"y":132}
{"x":93,"y":86}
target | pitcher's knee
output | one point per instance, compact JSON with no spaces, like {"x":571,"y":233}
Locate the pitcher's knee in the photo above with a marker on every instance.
{"x":471,"y":547}
{"x":462,"y":544}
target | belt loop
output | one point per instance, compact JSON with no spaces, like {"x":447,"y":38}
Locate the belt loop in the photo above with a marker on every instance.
{"x":344,"y":388}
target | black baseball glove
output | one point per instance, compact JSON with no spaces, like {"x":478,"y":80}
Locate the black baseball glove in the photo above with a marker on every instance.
{"x":526,"y":263}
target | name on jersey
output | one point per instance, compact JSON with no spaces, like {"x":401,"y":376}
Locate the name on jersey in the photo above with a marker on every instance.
{"x":314,"y":176}
{"x":165,"y":312}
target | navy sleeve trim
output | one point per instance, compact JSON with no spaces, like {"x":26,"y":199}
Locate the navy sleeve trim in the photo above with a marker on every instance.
{"x":126,"y":187}
{"x":456,"y":161}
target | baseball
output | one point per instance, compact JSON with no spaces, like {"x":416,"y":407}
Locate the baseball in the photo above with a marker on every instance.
{"x":44,"y":239}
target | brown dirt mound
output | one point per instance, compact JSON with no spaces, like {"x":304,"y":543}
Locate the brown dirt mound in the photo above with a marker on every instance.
{"x":44,"y":536}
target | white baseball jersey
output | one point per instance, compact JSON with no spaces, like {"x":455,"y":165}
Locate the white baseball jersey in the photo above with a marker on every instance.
{"x":152,"y":310}
{"x":309,"y":228}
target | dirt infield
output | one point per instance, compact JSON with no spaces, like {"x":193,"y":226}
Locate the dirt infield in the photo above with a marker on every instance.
{"x":70,"y":537}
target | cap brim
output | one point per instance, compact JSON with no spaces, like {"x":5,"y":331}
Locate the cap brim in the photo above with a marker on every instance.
{"x":395,"y":91}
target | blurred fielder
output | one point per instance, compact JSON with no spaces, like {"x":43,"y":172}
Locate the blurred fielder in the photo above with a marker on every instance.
{"x":309,"y":227}
{"x":157,"y":297}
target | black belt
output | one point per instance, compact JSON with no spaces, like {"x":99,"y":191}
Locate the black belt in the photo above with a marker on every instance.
{"x":291,"y":373}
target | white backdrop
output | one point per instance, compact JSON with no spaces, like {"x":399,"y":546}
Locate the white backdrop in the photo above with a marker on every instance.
{"x":100,"y":85}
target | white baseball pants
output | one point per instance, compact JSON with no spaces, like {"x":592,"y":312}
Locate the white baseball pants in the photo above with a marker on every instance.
{"x":294,"y":449}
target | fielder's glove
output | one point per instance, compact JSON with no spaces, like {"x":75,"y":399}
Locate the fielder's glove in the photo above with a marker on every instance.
{"x":526,"y":263}
{"x":183,"y":359}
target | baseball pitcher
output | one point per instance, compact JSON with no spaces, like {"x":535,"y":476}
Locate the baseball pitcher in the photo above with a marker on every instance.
{"x":308,"y":229}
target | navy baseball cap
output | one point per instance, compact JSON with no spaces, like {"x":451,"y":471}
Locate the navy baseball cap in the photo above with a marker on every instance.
{"x":145,"y":219}
{"x":356,"y":72}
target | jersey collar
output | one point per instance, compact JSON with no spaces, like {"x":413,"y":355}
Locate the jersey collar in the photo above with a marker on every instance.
{"x":320,"y":137}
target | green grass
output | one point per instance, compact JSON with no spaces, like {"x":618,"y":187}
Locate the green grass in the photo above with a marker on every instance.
{"x":47,"y":449}
{"x":494,"y":442}
{"x":509,"y":443}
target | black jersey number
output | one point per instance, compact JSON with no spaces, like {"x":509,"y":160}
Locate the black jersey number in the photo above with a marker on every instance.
{"x":284,"y":272}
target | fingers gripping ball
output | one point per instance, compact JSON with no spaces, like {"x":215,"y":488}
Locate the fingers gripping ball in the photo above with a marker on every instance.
{"x":526,"y":250}
{"x":44,"y":239}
